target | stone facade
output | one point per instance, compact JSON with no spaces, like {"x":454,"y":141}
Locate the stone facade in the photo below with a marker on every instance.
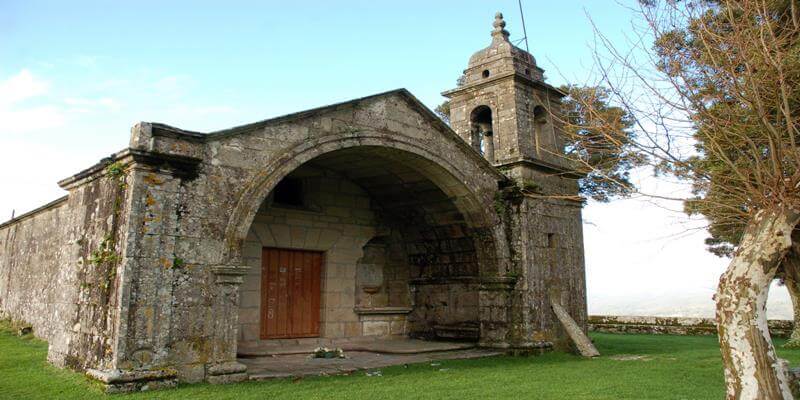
{"x":157,"y":251}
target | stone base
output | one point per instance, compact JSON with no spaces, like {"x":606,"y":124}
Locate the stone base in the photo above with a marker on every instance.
{"x":227,"y":372}
{"x":519,"y":349}
{"x":119,"y":381}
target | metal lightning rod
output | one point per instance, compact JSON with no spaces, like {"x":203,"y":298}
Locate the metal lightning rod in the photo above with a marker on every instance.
{"x":524,"y":31}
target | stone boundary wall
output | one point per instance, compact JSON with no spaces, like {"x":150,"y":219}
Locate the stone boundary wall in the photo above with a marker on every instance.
{"x":671,"y":325}
{"x":30,"y":288}
{"x":58,"y":267}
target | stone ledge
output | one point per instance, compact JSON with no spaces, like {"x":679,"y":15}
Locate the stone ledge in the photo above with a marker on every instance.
{"x":381,"y":310}
{"x":233,"y":274}
{"x":485,"y":283}
{"x":671,"y":325}
{"x":227,"y":372}
{"x":458,"y":332}
{"x":121,"y":381}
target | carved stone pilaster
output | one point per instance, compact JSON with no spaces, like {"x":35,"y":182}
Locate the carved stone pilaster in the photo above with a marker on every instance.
{"x":225,"y":368}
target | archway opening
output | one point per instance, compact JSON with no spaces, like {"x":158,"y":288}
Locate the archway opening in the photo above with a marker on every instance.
{"x":399,"y":257}
{"x":482,"y":131}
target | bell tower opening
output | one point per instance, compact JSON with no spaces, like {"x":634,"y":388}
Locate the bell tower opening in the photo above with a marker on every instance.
{"x":482,"y":132}
{"x":504,"y":108}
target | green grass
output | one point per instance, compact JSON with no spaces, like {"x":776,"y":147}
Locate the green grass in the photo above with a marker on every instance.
{"x":672,"y":367}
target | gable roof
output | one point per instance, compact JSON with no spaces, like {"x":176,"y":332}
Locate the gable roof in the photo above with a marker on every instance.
{"x":415,"y":104}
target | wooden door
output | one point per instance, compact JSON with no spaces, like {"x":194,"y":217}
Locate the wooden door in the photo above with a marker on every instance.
{"x":290,"y":293}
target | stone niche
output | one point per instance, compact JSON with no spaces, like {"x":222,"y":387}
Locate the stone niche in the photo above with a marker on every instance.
{"x":382,"y":291}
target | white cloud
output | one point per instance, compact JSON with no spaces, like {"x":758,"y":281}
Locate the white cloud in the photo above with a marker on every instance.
{"x":19,"y":118}
{"x":31,"y":119}
{"x":85,"y":105}
{"x":20,"y":87}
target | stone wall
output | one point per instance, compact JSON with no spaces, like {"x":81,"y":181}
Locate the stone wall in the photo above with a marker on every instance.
{"x":59,"y":268}
{"x":672,"y":325}
{"x":551,"y":248}
{"x":32,"y":277}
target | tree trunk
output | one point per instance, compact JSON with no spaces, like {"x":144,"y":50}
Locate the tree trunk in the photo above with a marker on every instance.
{"x":752,"y":369}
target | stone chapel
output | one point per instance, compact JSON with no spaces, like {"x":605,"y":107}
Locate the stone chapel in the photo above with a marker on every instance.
{"x":175,"y":256}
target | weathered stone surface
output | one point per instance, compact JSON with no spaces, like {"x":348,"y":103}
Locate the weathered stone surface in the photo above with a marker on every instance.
{"x":153,"y":260}
{"x":117,"y":381}
{"x":574,"y":331}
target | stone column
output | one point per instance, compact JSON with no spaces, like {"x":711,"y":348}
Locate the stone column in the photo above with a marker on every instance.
{"x":225,"y":368}
{"x":494,"y":297}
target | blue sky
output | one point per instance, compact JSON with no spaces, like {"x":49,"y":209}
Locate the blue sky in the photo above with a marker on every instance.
{"x":259,"y":59}
{"x":76,"y":75}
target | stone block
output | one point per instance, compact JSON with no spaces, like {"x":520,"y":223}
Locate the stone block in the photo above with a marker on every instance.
{"x":352,"y":329}
{"x":376,"y":328}
{"x":250,"y":299}
{"x":192,"y":373}
{"x":334,"y":329}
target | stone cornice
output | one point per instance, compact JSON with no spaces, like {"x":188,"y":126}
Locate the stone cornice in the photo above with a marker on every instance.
{"x":504,"y":76}
{"x":541,"y":165}
{"x":181,"y":166}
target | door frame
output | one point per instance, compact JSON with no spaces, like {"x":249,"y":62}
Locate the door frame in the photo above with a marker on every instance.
{"x":263,"y":295}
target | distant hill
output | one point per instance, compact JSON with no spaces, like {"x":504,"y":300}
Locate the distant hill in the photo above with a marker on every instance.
{"x":779,"y":305}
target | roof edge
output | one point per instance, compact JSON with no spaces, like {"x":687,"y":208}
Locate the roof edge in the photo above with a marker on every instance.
{"x":300,"y":114}
{"x":30,"y":214}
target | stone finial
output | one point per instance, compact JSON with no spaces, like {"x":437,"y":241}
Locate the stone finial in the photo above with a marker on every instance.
{"x":499,"y":24}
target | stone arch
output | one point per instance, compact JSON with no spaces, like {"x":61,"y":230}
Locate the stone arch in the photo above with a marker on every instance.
{"x":469,"y":194}
{"x":482,"y":130}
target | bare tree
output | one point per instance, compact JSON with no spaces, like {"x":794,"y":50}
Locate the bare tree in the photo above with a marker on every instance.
{"x":716,"y":102}
{"x":599,"y":142}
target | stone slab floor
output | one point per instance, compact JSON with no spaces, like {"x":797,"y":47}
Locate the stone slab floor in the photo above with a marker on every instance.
{"x":370,"y":354}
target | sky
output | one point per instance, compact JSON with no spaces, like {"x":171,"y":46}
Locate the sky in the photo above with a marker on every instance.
{"x":75,"y":76}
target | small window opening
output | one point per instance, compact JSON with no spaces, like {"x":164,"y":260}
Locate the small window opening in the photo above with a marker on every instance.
{"x":527,"y":71}
{"x":552,"y":240}
{"x":289,"y":192}
{"x":539,"y":121}
{"x":539,"y":115}
{"x":486,"y":73}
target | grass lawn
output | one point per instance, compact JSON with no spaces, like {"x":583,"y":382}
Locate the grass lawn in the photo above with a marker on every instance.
{"x":632,"y":367}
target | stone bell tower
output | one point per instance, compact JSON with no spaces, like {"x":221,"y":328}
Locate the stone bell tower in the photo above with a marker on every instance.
{"x":505,"y":110}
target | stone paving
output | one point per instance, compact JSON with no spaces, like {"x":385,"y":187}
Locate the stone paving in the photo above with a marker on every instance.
{"x":359,"y":355}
